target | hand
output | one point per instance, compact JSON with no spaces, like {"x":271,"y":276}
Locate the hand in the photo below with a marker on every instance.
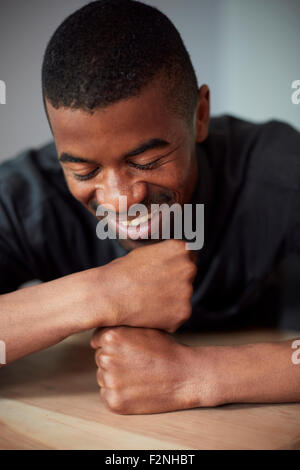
{"x":150,"y":287}
{"x":142,"y":371}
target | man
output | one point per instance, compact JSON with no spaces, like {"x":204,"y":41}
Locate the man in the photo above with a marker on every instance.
{"x":128,"y":119}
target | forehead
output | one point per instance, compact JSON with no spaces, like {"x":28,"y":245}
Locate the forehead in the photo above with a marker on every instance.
{"x":123,"y":123}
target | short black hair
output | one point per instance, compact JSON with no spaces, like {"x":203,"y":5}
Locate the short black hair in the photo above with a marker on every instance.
{"x":109,"y":50}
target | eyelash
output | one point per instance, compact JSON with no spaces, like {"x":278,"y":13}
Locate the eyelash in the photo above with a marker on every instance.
{"x":86,"y":177}
{"x":148,"y":166}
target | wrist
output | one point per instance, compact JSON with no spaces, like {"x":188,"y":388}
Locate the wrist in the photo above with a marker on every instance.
{"x":74,"y":301}
{"x":225,"y":374}
{"x":98,"y":298}
{"x":240,"y":373}
{"x":202,"y":387}
{"x":255,"y":373}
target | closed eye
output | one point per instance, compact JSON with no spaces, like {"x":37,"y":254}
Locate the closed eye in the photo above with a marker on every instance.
{"x":154,"y":163}
{"x":138,"y":166}
{"x":147,"y":166}
{"x":87,"y":176}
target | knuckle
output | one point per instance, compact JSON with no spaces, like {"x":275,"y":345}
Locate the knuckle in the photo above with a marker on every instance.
{"x":99,"y":376}
{"x":97,"y":357}
{"x":176,"y":325}
{"x":105,"y":361}
{"x":193,"y":269}
{"x":190,"y":269}
{"x":188,"y":311}
{"x":189,"y":290}
{"x":171,"y":329}
{"x":183,"y":315}
{"x":110,"y":337}
{"x":115,"y":402}
{"x":112,"y":382}
{"x":185,"y":312}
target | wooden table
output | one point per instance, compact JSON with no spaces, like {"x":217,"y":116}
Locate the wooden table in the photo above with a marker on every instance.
{"x":50,"y":400}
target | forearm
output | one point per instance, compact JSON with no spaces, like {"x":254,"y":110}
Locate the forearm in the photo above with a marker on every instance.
{"x":252,"y":373}
{"x":38,"y":317}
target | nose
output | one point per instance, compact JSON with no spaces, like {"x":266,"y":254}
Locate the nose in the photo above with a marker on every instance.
{"x":113,"y":187}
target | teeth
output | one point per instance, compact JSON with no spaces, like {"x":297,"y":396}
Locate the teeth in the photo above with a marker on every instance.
{"x":140,"y":220}
{"x":124,"y":222}
{"x":137,"y":221}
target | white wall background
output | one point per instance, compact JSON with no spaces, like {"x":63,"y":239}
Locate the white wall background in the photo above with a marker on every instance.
{"x":246,"y":51}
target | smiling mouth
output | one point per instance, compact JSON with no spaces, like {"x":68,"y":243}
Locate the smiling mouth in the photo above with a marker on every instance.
{"x":146,"y":225}
{"x":142,"y":227}
{"x":137,"y":221}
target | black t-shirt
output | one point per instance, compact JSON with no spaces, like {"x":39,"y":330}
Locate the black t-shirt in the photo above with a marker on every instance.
{"x":249,"y":181}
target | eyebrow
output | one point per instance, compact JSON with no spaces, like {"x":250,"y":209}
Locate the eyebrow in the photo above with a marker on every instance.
{"x":149,"y":145}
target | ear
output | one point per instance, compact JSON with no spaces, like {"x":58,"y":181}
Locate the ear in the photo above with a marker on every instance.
{"x":202,"y":114}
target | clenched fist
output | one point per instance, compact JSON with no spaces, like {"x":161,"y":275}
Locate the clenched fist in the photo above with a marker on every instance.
{"x":142,"y":371}
{"x":151,"y":287}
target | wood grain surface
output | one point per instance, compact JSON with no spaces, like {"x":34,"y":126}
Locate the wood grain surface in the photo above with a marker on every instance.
{"x":51,"y":400}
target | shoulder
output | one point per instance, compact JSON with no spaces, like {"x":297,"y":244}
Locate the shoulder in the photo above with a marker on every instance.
{"x":30,"y":178}
{"x":43,"y":157}
{"x":267,"y":152}
{"x":34,"y":197}
{"x":276,"y":157}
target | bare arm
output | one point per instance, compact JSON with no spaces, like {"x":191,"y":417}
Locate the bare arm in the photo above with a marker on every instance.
{"x":127,"y":291}
{"x":258,"y":373}
{"x":37,"y":317}
{"x":146,"y":371}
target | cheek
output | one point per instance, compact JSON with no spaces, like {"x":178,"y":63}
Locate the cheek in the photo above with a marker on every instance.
{"x":178,"y":174}
{"x":83,"y":192}
{"x":183,"y":178}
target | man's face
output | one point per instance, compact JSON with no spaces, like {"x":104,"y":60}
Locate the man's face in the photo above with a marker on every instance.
{"x":138,"y":148}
